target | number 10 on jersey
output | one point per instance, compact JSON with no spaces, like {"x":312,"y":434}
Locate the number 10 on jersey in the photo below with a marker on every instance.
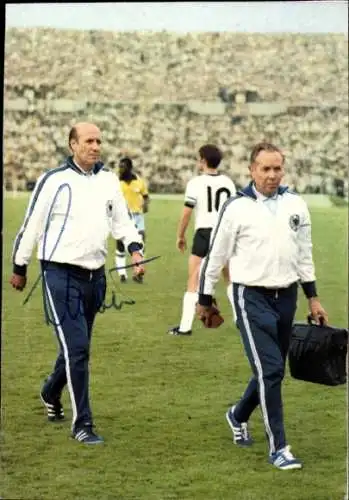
{"x":216,"y":204}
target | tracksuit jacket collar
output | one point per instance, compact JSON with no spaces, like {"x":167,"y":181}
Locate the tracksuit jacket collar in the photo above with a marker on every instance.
{"x":70,"y":162}
{"x":249,"y":192}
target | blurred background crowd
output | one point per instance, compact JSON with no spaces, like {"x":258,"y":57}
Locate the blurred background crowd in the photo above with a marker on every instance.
{"x":136,"y":86}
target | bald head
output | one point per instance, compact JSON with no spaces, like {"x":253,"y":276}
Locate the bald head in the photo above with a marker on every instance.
{"x":81,"y":128}
{"x":85,"y":143}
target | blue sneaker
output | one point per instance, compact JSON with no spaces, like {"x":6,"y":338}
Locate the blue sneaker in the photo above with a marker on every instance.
{"x":240,"y":430}
{"x":86,"y":435}
{"x":284,"y":460}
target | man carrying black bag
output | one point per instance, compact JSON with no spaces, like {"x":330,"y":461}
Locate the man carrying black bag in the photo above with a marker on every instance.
{"x":265,"y":234}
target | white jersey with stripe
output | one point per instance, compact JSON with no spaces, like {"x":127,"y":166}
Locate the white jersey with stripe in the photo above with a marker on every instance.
{"x":207,"y":193}
{"x":263,"y":248}
{"x":70,"y":216}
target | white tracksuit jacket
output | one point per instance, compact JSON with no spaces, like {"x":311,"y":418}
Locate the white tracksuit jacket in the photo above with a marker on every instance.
{"x":264,"y":249}
{"x":70,"y":216}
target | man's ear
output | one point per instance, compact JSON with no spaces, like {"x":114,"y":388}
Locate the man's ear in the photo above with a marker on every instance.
{"x":252,"y":168}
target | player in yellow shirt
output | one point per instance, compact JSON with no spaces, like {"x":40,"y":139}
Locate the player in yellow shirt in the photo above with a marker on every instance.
{"x":136,"y":195}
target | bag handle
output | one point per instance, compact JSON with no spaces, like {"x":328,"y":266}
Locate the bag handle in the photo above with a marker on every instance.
{"x":311,"y":321}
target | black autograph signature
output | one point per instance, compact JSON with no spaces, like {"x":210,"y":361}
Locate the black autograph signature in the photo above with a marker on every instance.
{"x":73,"y":299}
{"x":114,"y":303}
{"x":69,"y":298}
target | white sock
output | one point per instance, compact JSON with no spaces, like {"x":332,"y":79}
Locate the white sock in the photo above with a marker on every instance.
{"x":120,"y":261}
{"x":188,"y":311}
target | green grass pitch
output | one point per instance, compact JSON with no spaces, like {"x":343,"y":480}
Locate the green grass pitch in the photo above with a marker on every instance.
{"x":159,"y":401}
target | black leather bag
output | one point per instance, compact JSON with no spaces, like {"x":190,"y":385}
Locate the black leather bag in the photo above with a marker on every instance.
{"x":318,"y":353}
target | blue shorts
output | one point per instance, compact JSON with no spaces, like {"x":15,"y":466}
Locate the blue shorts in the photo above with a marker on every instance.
{"x":139,"y":221}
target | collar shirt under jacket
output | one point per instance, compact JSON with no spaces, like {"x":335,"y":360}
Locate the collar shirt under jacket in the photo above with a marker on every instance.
{"x":70,"y":216}
{"x":263,"y":248}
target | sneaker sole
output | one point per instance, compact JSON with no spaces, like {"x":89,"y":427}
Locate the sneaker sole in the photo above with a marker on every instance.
{"x":89,"y":443}
{"x":175,"y":333}
{"x":289,"y":467}
{"x":179,"y":334}
{"x":228,"y":420}
{"x":231,"y":427}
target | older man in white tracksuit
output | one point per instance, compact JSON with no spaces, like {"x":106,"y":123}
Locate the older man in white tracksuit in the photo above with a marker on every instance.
{"x":265,"y":234}
{"x":71,"y":213}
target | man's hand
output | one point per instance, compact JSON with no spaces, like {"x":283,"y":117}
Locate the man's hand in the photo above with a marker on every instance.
{"x":18,"y":282}
{"x":318,"y":313}
{"x":181,"y":244}
{"x":138,"y":270}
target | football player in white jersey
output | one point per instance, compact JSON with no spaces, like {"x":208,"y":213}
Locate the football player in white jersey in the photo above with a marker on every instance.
{"x":205,"y":194}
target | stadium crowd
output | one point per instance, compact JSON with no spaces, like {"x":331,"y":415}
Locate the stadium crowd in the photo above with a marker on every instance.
{"x":136,"y":85}
{"x":121,"y":66}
